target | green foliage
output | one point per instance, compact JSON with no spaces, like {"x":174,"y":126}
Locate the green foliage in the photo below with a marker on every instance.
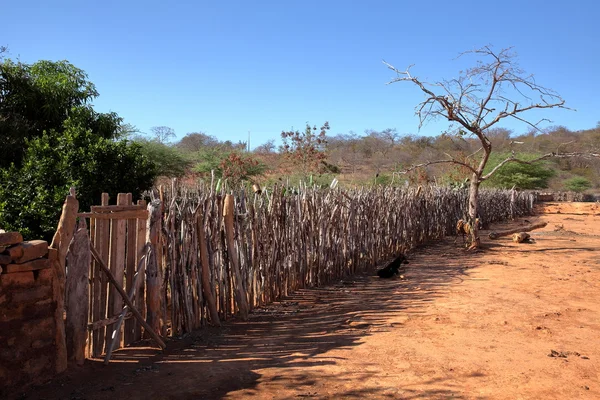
{"x":168,"y":160}
{"x":39,"y":97}
{"x":32,"y":195}
{"x":522,"y":176}
{"x":53,"y":139}
{"x":229,"y":164}
{"x":578,"y":184}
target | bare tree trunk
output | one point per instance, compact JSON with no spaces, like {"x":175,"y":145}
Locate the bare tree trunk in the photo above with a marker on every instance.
{"x":473,"y":210}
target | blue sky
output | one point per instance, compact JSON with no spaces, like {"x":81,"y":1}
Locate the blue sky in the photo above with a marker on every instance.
{"x":229,"y":67}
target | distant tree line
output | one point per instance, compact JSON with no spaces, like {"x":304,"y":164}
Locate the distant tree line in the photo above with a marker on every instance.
{"x":51,"y":138}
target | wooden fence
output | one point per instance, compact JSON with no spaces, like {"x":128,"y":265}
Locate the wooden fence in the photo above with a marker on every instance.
{"x":118,"y":233}
{"x":204,"y":256}
{"x":281,"y":241}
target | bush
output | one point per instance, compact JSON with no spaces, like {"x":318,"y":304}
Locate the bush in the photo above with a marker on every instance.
{"x":578,"y":184}
{"x":521,"y":176}
{"x":168,"y":160}
{"x":31,"y":196}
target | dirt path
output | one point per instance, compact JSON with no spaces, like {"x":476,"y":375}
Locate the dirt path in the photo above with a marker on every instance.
{"x":467,"y":326}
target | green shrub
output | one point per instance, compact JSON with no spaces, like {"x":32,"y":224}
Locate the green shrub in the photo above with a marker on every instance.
{"x":577,"y":184}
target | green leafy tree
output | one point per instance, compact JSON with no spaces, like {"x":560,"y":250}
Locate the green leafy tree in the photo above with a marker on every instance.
{"x":168,"y":159}
{"x":53,"y":139}
{"x":519,"y":175}
{"x":40,"y":97}
{"x":31,"y":195}
{"x":578,"y":184}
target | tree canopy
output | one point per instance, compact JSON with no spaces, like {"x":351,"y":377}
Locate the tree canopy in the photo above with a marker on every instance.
{"x":53,"y":139}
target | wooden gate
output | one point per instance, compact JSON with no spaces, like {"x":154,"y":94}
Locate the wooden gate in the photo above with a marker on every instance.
{"x":118,"y":233}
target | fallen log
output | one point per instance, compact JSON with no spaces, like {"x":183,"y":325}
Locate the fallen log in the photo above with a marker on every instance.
{"x":496,"y":235}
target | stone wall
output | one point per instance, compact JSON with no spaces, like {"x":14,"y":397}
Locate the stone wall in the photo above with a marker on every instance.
{"x":27,"y":312}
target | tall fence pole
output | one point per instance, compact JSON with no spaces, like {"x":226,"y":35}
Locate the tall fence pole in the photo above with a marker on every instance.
{"x":60,"y":242}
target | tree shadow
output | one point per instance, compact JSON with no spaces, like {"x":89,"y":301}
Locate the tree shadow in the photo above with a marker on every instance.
{"x":293,"y":333}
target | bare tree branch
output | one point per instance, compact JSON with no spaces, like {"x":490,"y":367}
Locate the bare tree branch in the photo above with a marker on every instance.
{"x":471,"y":101}
{"x":426,"y":164}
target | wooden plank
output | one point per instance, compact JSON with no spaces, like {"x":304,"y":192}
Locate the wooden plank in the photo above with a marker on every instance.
{"x":77,"y":294}
{"x":140,"y":251}
{"x":130,"y":265}
{"x":105,"y":209}
{"x":117,"y":266}
{"x":102,"y":243}
{"x":91,"y":304}
{"x":154,"y":316}
{"x":141,"y":214}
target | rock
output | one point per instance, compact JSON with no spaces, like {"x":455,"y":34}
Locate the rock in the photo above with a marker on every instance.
{"x":40,"y":263}
{"x":10,"y":238}
{"x":31,"y":250}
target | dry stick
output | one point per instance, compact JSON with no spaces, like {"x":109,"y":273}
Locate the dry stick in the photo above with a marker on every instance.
{"x":496,"y":235}
{"x":125,"y":298}
{"x":108,"y":321}
{"x":206,"y":290}
{"x":77,"y":294}
{"x":62,"y":239}
{"x":131,"y":296}
{"x":240,"y":293}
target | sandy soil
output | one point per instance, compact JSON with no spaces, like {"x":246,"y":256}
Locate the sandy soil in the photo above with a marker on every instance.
{"x":515,"y":321}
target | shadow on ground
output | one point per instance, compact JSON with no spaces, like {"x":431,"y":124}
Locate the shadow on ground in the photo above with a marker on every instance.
{"x":293,"y":333}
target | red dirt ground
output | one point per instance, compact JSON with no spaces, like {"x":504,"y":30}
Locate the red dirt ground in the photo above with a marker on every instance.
{"x":515,"y":321}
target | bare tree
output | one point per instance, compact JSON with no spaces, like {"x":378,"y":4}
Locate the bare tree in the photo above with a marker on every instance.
{"x":266,"y":148}
{"x":196,"y":141}
{"x":482,"y":96}
{"x":162,"y":134}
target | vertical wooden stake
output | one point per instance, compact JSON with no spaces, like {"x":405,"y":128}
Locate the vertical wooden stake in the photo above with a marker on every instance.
{"x":240,"y":292}
{"x":62,"y":238}
{"x":117,"y":265}
{"x":77,"y":293}
{"x":154,"y":316}
{"x":206,"y":290}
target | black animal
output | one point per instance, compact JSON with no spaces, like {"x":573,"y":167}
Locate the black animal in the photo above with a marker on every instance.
{"x":393,"y":267}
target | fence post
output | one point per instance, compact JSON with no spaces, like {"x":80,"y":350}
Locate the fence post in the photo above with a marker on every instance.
{"x":60,"y":242}
{"x":240,"y":292}
{"x":154,"y":316}
{"x":206,"y":290}
{"x":77,"y":293}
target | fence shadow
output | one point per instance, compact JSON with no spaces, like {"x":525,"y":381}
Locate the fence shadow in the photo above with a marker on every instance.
{"x":293,"y":333}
